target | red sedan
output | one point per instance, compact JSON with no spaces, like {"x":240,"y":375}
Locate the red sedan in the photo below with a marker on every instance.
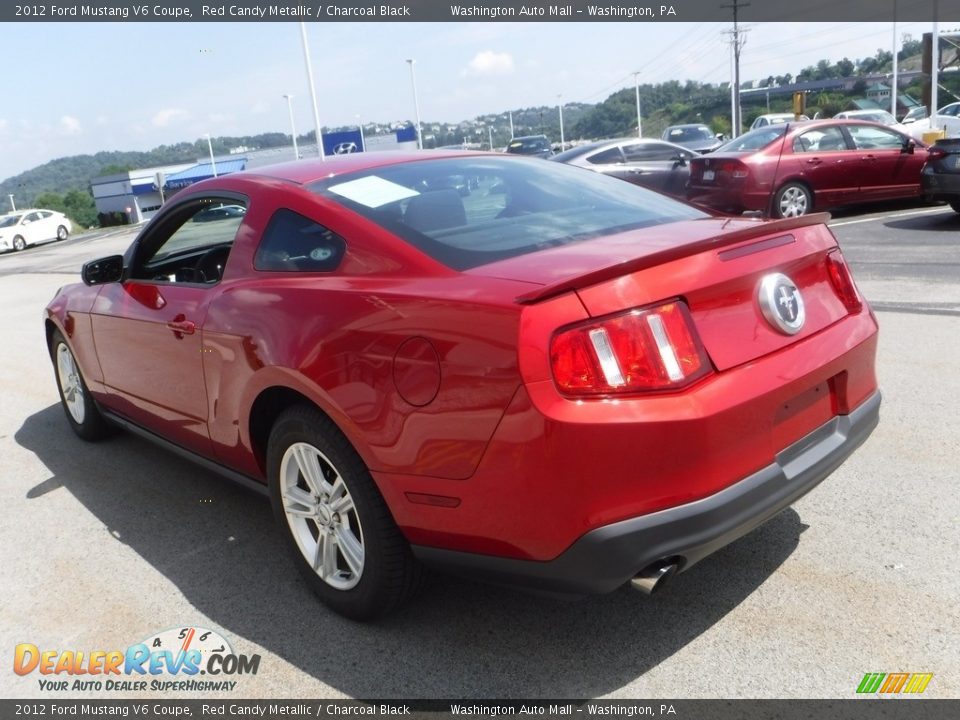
{"x":794,"y":168}
{"x":490,"y":364}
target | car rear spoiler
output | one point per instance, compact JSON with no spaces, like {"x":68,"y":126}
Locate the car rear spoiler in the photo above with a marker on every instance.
{"x":593,"y":277}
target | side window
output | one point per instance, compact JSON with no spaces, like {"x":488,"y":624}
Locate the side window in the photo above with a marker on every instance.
{"x":639,"y":152}
{"x":192,"y":244}
{"x":866,"y":137}
{"x":294,"y":243}
{"x":826,"y":139}
{"x":606,"y":157}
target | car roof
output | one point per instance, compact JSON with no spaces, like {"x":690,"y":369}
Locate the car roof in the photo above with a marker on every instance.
{"x":304,"y":172}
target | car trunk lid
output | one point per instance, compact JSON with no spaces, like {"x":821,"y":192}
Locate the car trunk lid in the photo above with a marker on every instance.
{"x":717,"y":270}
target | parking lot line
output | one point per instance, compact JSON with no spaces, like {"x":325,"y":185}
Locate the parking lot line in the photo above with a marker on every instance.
{"x":926,"y":211}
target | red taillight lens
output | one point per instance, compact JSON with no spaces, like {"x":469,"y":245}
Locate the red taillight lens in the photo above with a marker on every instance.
{"x":842,"y":281}
{"x":735,"y":169}
{"x":936,"y":153}
{"x":643,"y":350}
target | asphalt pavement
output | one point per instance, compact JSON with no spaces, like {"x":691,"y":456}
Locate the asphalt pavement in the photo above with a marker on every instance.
{"x":104,"y":545}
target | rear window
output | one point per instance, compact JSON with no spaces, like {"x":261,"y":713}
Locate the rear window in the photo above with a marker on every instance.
{"x":755,"y":139}
{"x":466,"y":212}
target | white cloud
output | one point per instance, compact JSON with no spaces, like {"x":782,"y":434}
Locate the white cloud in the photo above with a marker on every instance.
{"x":70,"y":125}
{"x":165,"y":117}
{"x":489,"y":62}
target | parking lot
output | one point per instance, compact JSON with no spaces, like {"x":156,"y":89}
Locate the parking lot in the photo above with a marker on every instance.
{"x":106,"y":545}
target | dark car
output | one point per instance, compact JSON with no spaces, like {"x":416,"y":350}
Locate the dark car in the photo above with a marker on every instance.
{"x":653,"y":164}
{"x":560,"y":380}
{"x":535,"y":145}
{"x":695,"y":136}
{"x":220,"y":212}
{"x":940,"y":177}
{"x":793,"y":168}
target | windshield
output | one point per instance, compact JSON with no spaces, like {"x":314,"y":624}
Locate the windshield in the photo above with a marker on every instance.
{"x":9,"y":220}
{"x":466,"y":212}
{"x":688,"y":134}
{"x":528,"y":145}
{"x":755,"y":139}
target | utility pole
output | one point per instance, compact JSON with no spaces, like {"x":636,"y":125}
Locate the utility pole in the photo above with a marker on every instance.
{"x":636,"y":84}
{"x":737,"y":44}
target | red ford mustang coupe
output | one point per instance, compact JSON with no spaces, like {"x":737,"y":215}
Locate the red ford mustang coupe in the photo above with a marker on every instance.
{"x":495,"y":365}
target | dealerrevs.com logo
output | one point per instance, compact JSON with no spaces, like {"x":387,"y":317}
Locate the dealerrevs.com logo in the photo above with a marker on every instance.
{"x":179,"y":659}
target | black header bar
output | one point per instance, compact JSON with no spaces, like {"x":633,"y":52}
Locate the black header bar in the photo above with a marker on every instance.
{"x":640,"y":11}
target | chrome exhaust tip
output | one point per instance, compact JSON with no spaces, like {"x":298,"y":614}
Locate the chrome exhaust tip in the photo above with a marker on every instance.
{"x":652,"y":578}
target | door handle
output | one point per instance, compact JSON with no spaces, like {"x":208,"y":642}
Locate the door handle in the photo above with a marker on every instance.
{"x":181,"y":326}
{"x":814,"y":161}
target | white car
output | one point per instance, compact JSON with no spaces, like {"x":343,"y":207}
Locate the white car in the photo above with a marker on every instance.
{"x":30,"y":227}
{"x":948,"y":119}
{"x":877,"y":116}
{"x":774,"y":119}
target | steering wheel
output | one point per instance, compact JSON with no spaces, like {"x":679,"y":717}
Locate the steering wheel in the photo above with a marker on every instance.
{"x":209,"y":267}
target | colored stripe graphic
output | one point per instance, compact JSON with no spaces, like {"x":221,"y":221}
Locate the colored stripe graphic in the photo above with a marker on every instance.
{"x":893,"y":683}
{"x":918,"y":682}
{"x":870,"y":682}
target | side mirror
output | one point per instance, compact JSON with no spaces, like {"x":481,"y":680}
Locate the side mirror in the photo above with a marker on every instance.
{"x":104,"y":270}
{"x":909,"y":146}
{"x":679,"y":160}
{"x":721,"y":137}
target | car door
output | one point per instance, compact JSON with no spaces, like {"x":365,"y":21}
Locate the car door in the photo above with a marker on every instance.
{"x":31,"y":228}
{"x":656,"y":165}
{"x":888,"y":170}
{"x":147,"y":328}
{"x":823,"y":157}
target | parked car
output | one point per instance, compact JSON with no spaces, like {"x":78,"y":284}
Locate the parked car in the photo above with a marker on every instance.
{"x":559,"y":381}
{"x":31,"y":227}
{"x":220,"y":212}
{"x":947,"y":120}
{"x":793,"y":168}
{"x":536,"y":145}
{"x":775,"y":119}
{"x":913,"y":114}
{"x":940,"y":177}
{"x":654,"y":164}
{"x":697,"y":137}
{"x":877,"y":116}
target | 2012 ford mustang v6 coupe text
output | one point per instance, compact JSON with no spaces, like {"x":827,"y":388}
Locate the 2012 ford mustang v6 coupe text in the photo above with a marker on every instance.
{"x":515,"y":369}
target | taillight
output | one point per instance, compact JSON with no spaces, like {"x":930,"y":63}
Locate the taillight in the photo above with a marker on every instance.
{"x":643,"y":350}
{"x":936,"y":153}
{"x":735,"y":169}
{"x":842,"y":281}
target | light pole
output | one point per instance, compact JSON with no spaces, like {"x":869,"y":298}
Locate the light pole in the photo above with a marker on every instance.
{"x":511,"y":124}
{"x":363,"y":143}
{"x":636,"y":83}
{"x":560,"y":106}
{"x":313,"y":90}
{"x":213,"y":164}
{"x":490,"y":136}
{"x":293,"y":128}
{"x":416,"y":103}
{"x":13,"y":207}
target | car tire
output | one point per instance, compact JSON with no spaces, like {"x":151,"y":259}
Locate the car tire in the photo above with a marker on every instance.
{"x":792,"y":200}
{"x":62,"y":233}
{"x":79,"y":406}
{"x":955,"y":206}
{"x":19,"y":243}
{"x":342,"y":536}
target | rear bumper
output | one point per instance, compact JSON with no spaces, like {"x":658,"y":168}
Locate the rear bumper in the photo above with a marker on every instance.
{"x":726,"y":199}
{"x":940,"y":186}
{"x":607,"y":557}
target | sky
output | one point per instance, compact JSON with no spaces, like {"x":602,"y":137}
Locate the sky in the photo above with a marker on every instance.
{"x":76,"y":88}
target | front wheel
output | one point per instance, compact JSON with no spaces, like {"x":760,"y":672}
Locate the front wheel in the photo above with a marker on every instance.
{"x":342,"y":536}
{"x":62,"y":233}
{"x":792,"y":200}
{"x":81,"y":411}
{"x":19,"y":243}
